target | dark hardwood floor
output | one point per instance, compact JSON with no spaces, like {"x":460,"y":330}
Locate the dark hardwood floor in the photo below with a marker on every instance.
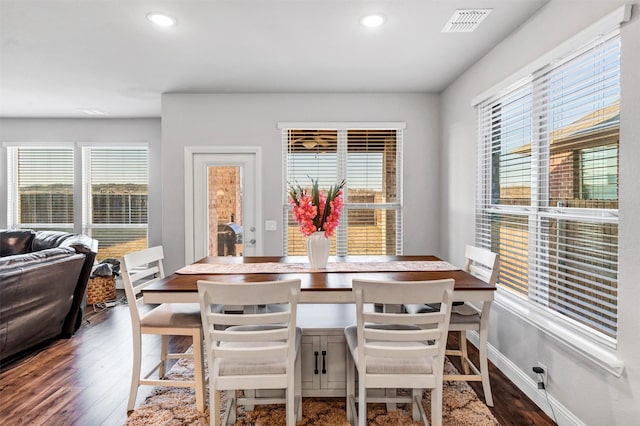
{"x":511,"y":406}
{"x":85,"y":380}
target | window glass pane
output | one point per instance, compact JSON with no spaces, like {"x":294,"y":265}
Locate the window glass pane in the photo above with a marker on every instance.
{"x":371,"y":232}
{"x":511,"y":149}
{"x":371,"y":166}
{"x":584,"y":92}
{"x":580,"y":271}
{"x":313,"y":154}
{"x":224,"y":188}
{"x":116,"y":242}
{"x":600,"y":175}
{"x":510,"y":239}
{"x":45,"y":188}
{"x":584,"y":119}
{"x":119,"y":197}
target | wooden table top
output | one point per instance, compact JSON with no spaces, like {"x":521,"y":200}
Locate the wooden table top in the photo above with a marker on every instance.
{"x":320,"y":280}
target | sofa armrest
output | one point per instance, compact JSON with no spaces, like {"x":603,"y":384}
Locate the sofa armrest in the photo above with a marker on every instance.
{"x":82,"y":244}
{"x":89,"y":247}
{"x":26,"y":260}
{"x":37,"y":291}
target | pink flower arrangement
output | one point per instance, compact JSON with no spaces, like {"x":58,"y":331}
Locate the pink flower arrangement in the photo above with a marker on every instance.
{"x":316,"y":211}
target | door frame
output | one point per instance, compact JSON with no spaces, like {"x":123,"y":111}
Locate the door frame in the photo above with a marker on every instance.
{"x":189,"y":154}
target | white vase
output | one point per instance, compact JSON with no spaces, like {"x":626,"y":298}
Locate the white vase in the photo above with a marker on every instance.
{"x":318,"y":250}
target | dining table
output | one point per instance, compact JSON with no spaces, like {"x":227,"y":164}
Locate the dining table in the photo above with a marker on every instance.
{"x":327,"y":294}
{"x":321,"y":286}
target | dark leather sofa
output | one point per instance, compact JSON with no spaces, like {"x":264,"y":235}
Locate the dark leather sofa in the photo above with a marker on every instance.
{"x":43,"y":280}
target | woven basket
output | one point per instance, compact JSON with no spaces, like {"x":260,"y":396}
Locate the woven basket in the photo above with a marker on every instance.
{"x":101,"y":289}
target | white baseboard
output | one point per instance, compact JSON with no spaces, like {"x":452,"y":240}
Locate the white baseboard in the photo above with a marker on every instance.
{"x":526,"y":384}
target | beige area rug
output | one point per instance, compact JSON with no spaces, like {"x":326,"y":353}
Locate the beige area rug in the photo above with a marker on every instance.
{"x":176,"y":406}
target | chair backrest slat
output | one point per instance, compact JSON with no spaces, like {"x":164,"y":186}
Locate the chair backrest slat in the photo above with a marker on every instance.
{"x":404,"y":352}
{"x":258,"y":336}
{"x":386,"y":318}
{"x":249,"y":319}
{"x":401,"y":335}
{"x":280,"y":351}
{"x":138,"y":275}
{"x":251,"y":293}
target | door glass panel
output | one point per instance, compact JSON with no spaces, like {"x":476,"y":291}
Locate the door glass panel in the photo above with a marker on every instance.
{"x":224,"y":188}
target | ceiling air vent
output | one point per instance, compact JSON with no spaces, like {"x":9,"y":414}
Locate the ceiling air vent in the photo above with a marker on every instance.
{"x":465,"y":20}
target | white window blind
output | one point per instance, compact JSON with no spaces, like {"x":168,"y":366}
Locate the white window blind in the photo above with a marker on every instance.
{"x":116,"y":193}
{"x":548,"y":185}
{"x":370,"y":162}
{"x":112,"y":193}
{"x":40,"y":193}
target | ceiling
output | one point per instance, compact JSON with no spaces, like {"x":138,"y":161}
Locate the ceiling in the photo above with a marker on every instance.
{"x":61,"y":57}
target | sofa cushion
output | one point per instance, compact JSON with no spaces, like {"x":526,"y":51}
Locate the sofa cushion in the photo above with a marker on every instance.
{"x":15,"y":241}
{"x":81,"y":243}
{"x":49,"y":239}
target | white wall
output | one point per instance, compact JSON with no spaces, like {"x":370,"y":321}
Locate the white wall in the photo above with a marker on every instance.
{"x":594,"y":396}
{"x":94,"y":130}
{"x":251,"y":120}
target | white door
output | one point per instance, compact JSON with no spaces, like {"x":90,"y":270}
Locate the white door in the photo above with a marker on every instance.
{"x":222,"y":217}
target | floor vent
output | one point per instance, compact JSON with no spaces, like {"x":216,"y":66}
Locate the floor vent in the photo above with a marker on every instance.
{"x":465,"y":20}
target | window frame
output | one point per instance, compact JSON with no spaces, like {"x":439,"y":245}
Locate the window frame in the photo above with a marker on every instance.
{"x":81,"y":184}
{"x":13,"y":191}
{"x":585,"y":341}
{"x":87,"y":195}
{"x":342,"y":129}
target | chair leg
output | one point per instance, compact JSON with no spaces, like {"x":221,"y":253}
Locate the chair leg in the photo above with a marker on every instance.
{"x":391,"y":393}
{"x":214,"y":406}
{"x":290,"y":403}
{"x":135,"y":373}
{"x":463,"y":349}
{"x":351,"y":385}
{"x":232,"y":406}
{"x":436,"y":404}
{"x":484,"y":368}
{"x":416,"y":395}
{"x":164,"y":349}
{"x":198,"y":363}
{"x":362,"y":402}
{"x":298,"y":387}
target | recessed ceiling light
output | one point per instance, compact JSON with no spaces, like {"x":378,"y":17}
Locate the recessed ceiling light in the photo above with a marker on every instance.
{"x":372,"y":21}
{"x":161,"y":19}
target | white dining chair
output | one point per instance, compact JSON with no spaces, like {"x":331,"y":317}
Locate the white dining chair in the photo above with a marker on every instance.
{"x":484,"y":264}
{"x":140,"y":269}
{"x":252,"y":351}
{"x":396,"y":350}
